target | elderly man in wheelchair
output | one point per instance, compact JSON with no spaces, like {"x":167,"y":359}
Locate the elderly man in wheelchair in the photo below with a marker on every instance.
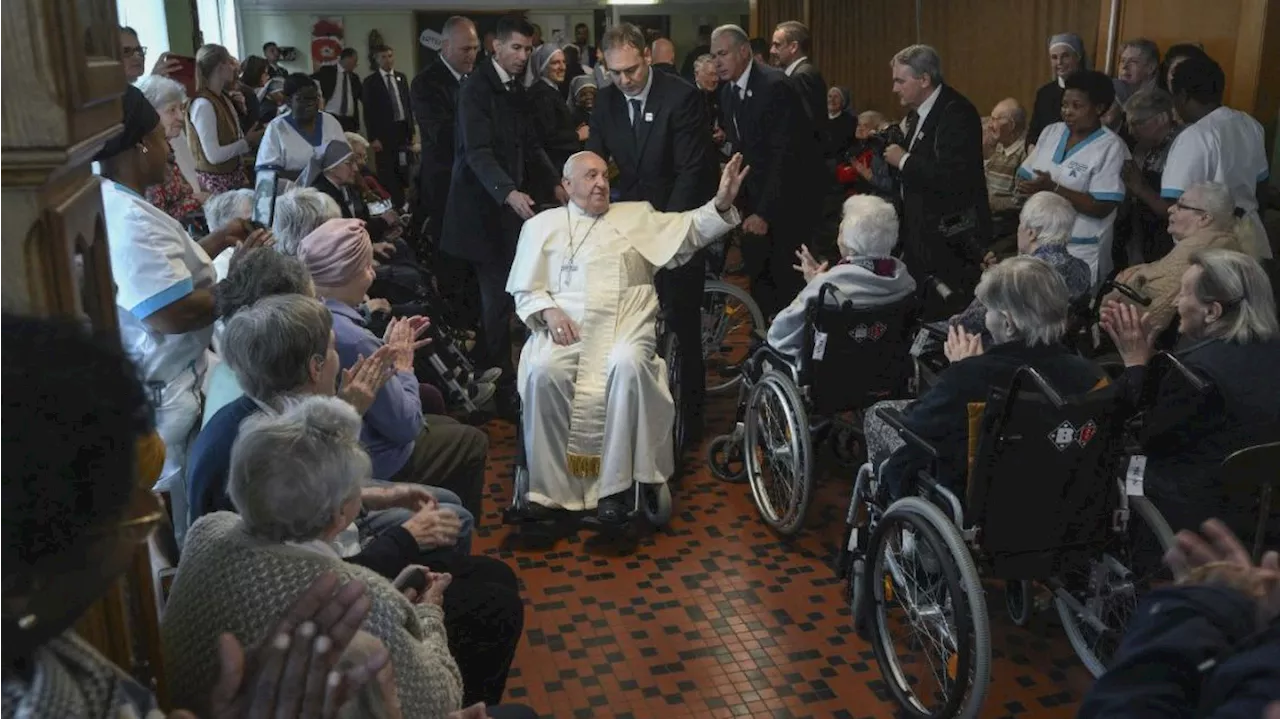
{"x":1012,"y":462}
{"x":838,"y":347}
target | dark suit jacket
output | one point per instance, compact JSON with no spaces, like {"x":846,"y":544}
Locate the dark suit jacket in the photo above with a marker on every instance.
{"x":435,"y":106}
{"x":553,"y":121}
{"x":668,"y":162}
{"x":327,"y":76}
{"x":667,"y":67}
{"x":813,"y":90}
{"x":943,"y":183}
{"x":776,"y":140}
{"x":380,"y":113}
{"x":497,"y":151}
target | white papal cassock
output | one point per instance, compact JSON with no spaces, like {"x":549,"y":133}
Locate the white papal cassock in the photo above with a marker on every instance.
{"x":597,"y":414}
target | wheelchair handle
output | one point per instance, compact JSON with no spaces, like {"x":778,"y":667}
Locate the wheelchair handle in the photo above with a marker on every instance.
{"x":894,"y":419}
{"x":1197,"y":383}
{"x":1127,"y":291}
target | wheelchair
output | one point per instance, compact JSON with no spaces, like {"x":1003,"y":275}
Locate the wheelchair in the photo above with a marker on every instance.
{"x":652,"y":503}
{"x":851,"y":358}
{"x":1075,"y":526}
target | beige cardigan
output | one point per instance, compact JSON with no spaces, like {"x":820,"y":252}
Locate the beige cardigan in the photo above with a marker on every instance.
{"x":1161,"y":279}
{"x":229,"y":581}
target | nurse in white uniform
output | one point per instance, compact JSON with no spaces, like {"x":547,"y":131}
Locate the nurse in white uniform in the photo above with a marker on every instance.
{"x":1218,"y":144}
{"x":293,"y":140}
{"x":1080,"y":159}
{"x":164,"y":284}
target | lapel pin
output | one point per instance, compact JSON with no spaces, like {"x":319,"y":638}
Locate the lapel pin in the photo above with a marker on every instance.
{"x":748,"y":93}
{"x":648,"y":117}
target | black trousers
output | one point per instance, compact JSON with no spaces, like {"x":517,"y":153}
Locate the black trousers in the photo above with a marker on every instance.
{"x":394,"y":177}
{"x":680,"y":294}
{"x":496,"y":308}
{"x":768,"y":261}
{"x":483,"y":616}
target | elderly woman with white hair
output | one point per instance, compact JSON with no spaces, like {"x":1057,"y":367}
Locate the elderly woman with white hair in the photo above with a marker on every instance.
{"x":1044,"y":228}
{"x":177,"y":195}
{"x":1027,"y":304}
{"x":1226,"y":311}
{"x":866,"y":274}
{"x":296,"y":482}
{"x":219,"y":212}
{"x":1202,"y":218}
{"x":298,"y":213}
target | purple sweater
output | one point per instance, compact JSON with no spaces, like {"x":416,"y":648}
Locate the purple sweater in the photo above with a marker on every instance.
{"x":394,"y":421}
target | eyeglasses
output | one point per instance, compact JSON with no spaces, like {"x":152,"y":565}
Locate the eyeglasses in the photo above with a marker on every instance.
{"x":1178,"y":204}
{"x":127,"y":51}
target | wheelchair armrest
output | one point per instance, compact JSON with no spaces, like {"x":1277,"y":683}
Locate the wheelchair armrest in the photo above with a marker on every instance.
{"x":1198,"y":383}
{"x":936,"y":330}
{"x":894,"y":419}
{"x":1125,"y":290}
{"x":759,"y":334}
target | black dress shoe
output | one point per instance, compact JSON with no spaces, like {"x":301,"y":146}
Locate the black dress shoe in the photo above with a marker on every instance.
{"x":614,"y":508}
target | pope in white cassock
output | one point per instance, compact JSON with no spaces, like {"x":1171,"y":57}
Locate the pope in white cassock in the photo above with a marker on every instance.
{"x":597,"y":412}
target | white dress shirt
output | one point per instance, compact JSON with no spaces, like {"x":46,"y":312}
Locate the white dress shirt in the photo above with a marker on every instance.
{"x":504,"y":77}
{"x":792,"y":67}
{"x":341,"y":90}
{"x":921,"y":113}
{"x":643,"y":97}
{"x":396,"y":107}
{"x":456,"y":75}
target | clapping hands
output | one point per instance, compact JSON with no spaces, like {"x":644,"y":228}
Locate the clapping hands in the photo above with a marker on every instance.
{"x":402,"y":336}
{"x":808,"y":266}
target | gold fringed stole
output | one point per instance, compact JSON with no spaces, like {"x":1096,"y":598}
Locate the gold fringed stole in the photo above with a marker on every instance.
{"x":603,"y":268}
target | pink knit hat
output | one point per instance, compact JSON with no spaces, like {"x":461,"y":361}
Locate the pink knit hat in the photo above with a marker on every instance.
{"x":335,"y":251}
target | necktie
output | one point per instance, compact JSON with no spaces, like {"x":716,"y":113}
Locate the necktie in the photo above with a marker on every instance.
{"x":636,"y":107}
{"x":346,"y":91}
{"x":394,"y":94}
{"x":913,"y":123}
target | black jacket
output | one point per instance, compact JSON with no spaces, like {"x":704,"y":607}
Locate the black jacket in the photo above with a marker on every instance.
{"x":353,"y":206}
{"x":1046,"y":110}
{"x":666,"y":67}
{"x":553,"y":122}
{"x":1187,"y":435}
{"x":946,"y":218}
{"x":497,"y":151}
{"x":808,"y":82}
{"x":379,"y":113}
{"x":1190,"y":651}
{"x":434,"y":94}
{"x":941,"y":415}
{"x":327,"y":76}
{"x":840,"y":135}
{"x":772,"y":132}
{"x":668,"y":162}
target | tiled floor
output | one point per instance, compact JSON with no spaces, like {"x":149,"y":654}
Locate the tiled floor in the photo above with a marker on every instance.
{"x":713,"y":616}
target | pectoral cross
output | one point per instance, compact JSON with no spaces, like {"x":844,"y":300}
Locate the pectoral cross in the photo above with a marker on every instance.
{"x":567,"y":268}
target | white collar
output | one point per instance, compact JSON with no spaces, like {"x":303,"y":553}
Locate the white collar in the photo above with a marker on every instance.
{"x":643,"y":97}
{"x":928,"y":103}
{"x":503,"y":76}
{"x":386,"y":73}
{"x":1062,"y":81}
{"x":792,"y":67}
{"x":745,"y":77}
{"x":575,"y":211}
{"x":317,"y":546}
{"x":456,"y":75}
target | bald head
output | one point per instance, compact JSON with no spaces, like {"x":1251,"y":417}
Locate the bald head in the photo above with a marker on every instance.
{"x":460,"y":45}
{"x":1010,"y":119}
{"x":662,"y":51}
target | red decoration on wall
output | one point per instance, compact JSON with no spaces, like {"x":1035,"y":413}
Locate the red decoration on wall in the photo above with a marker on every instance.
{"x":327,"y":34}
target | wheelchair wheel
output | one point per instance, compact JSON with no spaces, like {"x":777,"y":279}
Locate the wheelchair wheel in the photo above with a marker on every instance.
{"x":1104,"y":590}
{"x":779,"y":452}
{"x":1017,"y":601}
{"x":655,"y":501}
{"x":726,"y":460}
{"x":729,"y":319}
{"x":928,"y":613}
{"x":679,"y":434}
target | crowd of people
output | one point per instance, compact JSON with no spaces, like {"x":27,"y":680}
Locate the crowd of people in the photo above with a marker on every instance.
{"x":293,"y":387}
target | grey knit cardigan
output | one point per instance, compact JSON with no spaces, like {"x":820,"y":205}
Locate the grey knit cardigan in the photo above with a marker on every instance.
{"x":229,"y":581}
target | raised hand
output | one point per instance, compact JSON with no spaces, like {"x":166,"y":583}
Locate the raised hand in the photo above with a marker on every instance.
{"x":360,"y":383}
{"x":961,"y":345}
{"x":808,"y":266}
{"x":1128,"y":329}
{"x":731,"y":182}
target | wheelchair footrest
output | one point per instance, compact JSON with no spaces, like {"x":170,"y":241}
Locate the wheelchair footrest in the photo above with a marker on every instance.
{"x":585,"y":519}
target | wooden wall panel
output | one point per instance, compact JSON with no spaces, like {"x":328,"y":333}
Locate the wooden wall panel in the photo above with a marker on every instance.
{"x":1217,"y":25}
{"x":853,"y":43}
{"x":766,"y":14}
{"x":993,"y":49}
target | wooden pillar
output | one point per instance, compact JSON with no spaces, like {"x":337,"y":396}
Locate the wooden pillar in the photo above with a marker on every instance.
{"x":62,"y":107}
